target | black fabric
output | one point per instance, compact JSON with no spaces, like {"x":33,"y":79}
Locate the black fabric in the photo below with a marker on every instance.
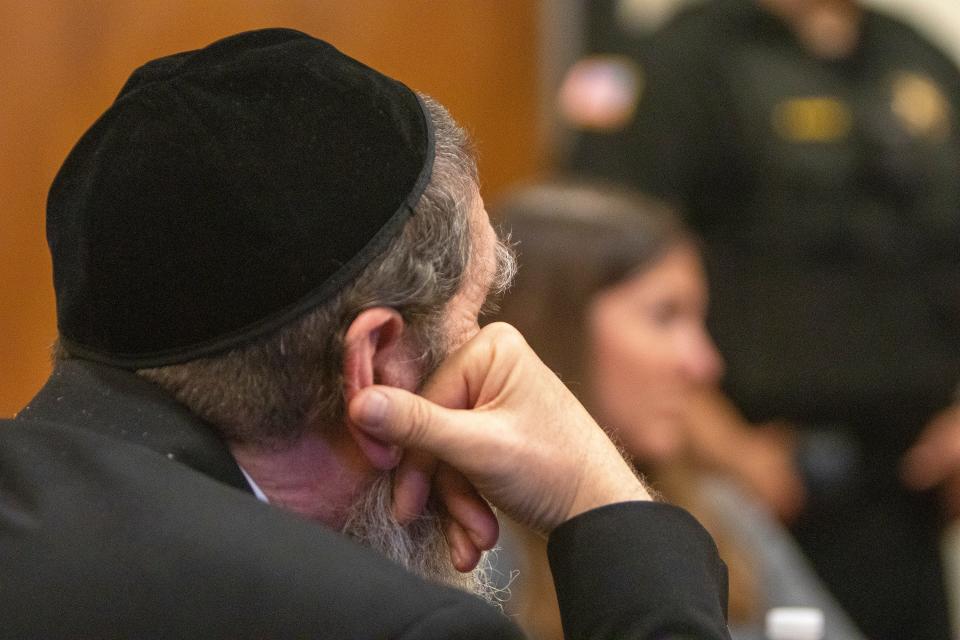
{"x":676,"y":552}
{"x":225,"y":192}
{"x":120,"y":516}
{"x":834,"y":263}
{"x":120,"y":406}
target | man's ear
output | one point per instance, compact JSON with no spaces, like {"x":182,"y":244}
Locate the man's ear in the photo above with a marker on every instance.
{"x":374,"y":352}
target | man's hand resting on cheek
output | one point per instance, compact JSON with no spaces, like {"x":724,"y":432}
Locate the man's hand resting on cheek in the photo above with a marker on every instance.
{"x":501,"y":424}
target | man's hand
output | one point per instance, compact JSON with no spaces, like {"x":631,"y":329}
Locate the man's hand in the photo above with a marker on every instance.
{"x":501,"y":424}
{"x":935,"y":459}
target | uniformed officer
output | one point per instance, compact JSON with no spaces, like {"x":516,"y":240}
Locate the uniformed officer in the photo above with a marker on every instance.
{"x":815,"y":145}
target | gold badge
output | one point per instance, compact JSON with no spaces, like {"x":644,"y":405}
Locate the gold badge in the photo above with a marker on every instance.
{"x":920,"y":106}
{"x":812,"y":119}
{"x":601,"y":92}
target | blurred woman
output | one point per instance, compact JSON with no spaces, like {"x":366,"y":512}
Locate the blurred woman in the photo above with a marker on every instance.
{"x":612,"y":295}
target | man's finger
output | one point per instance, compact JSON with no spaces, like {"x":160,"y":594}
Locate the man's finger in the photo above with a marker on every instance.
{"x":464,"y":504}
{"x":463,"y":553}
{"x":399,"y":417}
{"x":412,"y":483}
{"x":478,"y":372}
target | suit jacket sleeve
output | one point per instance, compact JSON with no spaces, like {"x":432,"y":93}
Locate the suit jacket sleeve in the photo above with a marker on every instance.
{"x":638,"y":570}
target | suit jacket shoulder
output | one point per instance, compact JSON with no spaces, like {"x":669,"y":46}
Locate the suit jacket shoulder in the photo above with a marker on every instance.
{"x":122,"y":516}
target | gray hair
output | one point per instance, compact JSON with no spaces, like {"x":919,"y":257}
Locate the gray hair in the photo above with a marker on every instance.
{"x":270,"y":391}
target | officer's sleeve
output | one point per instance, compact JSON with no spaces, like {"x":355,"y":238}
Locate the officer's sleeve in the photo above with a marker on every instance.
{"x":638,"y":570}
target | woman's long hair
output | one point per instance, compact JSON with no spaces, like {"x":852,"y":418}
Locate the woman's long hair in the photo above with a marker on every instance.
{"x":575,"y":239}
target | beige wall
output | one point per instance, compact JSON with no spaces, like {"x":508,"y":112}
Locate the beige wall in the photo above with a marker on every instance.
{"x":62,"y":62}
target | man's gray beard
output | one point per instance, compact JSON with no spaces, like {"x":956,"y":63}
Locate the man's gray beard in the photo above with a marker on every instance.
{"x":419,"y":547}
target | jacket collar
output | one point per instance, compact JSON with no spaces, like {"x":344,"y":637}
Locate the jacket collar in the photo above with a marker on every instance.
{"x":118,"y":404}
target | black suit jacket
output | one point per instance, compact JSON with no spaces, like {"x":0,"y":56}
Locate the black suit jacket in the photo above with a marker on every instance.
{"x":122,"y":515}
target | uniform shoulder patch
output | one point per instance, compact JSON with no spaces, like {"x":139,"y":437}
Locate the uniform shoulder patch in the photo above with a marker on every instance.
{"x":601,"y":92}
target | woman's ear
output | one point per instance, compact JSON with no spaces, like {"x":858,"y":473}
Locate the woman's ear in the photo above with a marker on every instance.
{"x":374,"y":352}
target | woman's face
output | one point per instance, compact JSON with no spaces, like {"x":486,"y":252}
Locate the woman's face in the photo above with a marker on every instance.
{"x":649,"y":351}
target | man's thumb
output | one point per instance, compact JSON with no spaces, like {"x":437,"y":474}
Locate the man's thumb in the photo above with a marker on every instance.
{"x":399,"y":417}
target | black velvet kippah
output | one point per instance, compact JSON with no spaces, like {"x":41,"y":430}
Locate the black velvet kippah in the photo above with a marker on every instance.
{"x":227,"y":191}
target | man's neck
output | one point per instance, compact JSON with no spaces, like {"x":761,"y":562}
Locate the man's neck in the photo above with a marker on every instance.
{"x":316,"y":476}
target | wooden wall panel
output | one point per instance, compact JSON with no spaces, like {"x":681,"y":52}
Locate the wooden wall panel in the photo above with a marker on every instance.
{"x":61,"y":63}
